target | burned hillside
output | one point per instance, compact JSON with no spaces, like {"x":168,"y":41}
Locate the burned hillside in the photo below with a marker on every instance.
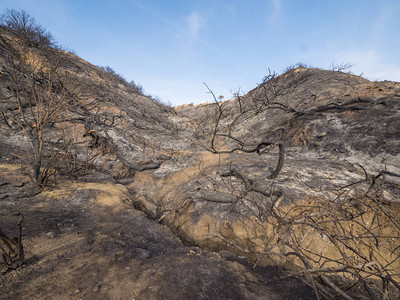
{"x":292,"y":189}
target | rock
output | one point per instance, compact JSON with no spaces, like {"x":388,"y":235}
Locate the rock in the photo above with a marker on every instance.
{"x":141,"y":253}
{"x":51,"y":234}
{"x":97,"y":287}
{"x":226,"y":254}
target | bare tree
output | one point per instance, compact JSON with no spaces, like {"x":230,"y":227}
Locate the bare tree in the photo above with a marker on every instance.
{"x":43,"y":92}
{"x":24,"y":26}
{"x":343,"y":67}
{"x":224,"y":128}
{"x":363,"y":253}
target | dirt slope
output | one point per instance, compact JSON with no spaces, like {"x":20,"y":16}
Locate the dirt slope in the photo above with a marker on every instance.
{"x":302,"y":172}
{"x":83,"y":242}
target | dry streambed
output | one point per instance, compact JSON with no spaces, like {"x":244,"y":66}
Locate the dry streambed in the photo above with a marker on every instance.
{"x":83,"y":242}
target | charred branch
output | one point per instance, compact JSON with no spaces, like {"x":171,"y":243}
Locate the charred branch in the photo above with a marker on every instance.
{"x":151,"y":165}
{"x":13,"y":251}
{"x":281,"y":161}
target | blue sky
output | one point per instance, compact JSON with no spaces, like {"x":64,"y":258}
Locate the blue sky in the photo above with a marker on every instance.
{"x":171,"y":47}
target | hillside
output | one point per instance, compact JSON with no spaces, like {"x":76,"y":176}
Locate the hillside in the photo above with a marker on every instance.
{"x":291,"y":190}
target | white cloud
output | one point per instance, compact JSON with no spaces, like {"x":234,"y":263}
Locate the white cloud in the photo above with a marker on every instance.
{"x":276,"y":5}
{"x":195,"y":22}
{"x":276,"y":9}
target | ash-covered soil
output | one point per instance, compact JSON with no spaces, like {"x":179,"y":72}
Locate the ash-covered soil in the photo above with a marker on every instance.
{"x":82,"y":242}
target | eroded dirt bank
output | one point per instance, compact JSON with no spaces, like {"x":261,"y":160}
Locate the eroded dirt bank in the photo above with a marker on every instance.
{"x":83,"y":242}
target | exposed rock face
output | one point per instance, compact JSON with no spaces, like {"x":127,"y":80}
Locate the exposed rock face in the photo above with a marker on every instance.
{"x":211,"y":172}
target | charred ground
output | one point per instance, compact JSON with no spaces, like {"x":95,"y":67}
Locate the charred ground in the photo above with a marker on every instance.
{"x":293,"y":186}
